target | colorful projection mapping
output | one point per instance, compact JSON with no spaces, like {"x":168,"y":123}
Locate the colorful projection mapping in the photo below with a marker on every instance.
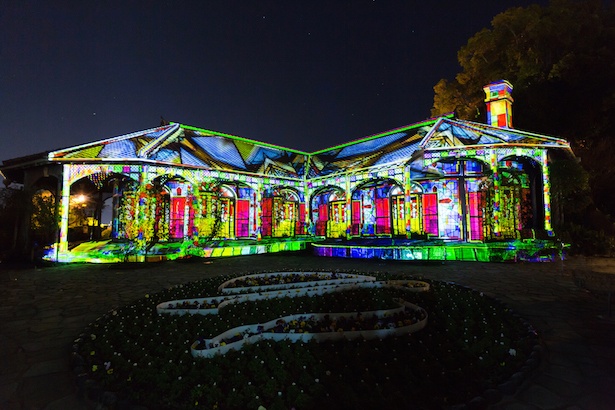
{"x":442,"y":188}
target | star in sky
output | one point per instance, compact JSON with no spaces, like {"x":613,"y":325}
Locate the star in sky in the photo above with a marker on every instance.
{"x":304,"y":75}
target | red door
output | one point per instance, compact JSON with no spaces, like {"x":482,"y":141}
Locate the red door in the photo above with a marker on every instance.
{"x":430,"y":213}
{"x":476,"y":215}
{"x":383,"y":216}
{"x":266,"y":214}
{"x":178,"y":206}
{"x":300,"y":228}
{"x":355,"y":229}
{"x":323,"y":217}
{"x":243,"y":218}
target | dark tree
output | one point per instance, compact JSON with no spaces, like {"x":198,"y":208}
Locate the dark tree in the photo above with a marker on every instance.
{"x":13,"y":210}
{"x":561,"y":62}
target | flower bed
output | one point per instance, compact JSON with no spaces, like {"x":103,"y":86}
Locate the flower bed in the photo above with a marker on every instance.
{"x":293,"y":284}
{"x":471,"y":345}
{"x":406,"y":319}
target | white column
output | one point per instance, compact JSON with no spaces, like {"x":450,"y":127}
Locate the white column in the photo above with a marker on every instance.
{"x":62,"y":246}
{"x":546,"y":192}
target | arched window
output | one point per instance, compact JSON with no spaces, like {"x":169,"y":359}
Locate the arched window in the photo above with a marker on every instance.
{"x":281,"y":213}
{"x":328,"y":212}
{"x":371,"y":209}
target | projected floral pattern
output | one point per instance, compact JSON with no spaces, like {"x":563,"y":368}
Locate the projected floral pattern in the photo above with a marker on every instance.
{"x":441,"y":178}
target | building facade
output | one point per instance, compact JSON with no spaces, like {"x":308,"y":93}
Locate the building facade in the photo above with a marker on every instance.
{"x":440,"y":178}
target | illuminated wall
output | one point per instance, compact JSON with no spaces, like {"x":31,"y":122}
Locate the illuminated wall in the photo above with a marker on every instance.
{"x":441,"y":179}
{"x":469,"y":183}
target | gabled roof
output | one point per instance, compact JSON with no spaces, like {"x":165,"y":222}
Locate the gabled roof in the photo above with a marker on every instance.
{"x":135,"y":145}
{"x":184,"y":145}
{"x":450,"y":133}
{"x":384,"y":148}
{"x":402,"y":144}
{"x":178,"y":144}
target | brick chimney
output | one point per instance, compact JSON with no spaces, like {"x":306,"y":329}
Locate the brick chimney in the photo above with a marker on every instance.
{"x":499,"y":104}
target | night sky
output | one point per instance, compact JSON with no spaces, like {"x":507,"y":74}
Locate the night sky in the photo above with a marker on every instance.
{"x":302,"y":74}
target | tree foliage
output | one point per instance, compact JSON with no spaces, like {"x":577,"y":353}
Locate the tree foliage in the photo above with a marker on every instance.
{"x":12,"y":213}
{"x":43,"y":222}
{"x":561,"y":62}
{"x":570,"y":190}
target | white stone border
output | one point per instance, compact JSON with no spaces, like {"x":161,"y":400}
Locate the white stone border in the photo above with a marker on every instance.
{"x":342,"y":278}
{"x":313,"y":288}
{"x":252,"y":333}
{"x":165,"y":307}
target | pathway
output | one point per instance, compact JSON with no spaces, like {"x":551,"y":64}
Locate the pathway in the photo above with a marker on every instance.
{"x":43,"y":310}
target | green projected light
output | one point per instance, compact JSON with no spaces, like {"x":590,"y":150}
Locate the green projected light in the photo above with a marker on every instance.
{"x":466,"y":191}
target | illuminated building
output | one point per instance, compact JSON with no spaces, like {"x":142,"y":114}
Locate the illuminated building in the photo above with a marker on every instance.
{"x":175,"y":189}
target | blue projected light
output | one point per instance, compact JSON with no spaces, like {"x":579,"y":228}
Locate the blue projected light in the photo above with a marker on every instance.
{"x":167,"y":155}
{"x":398,"y":155}
{"x":221,"y":149}
{"x":189,"y":159}
{"x":370,"y":146}
{"x":260,"y":154}
{"x":119,"y":149}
